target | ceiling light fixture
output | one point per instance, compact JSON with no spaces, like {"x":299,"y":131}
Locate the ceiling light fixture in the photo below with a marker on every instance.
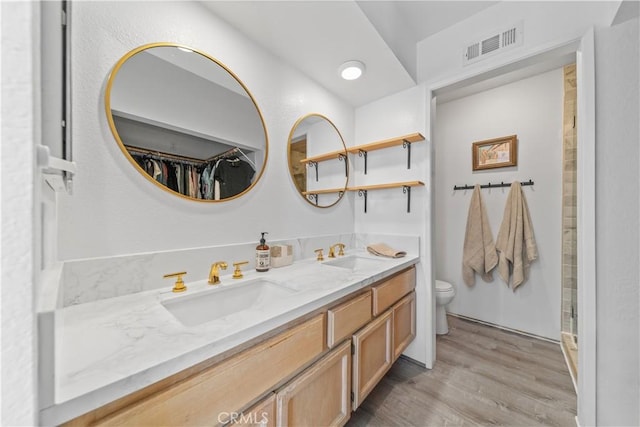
{"x":352,"y":70}
{"x":185,"y":49}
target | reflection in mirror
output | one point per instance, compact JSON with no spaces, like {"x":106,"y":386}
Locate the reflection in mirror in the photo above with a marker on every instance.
{"x":186,"y":122}
{"x":318,"y":160}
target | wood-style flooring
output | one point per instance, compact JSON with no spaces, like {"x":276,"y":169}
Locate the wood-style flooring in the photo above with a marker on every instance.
{"x":482,"y":376}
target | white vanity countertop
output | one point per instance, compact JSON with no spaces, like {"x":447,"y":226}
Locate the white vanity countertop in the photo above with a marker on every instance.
{"x":110,"y":348}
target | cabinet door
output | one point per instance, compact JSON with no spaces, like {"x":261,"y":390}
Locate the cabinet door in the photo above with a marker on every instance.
{"x":373,"y":356}
{"x":262,"y":414}
{"x":404,"y":324}
{"x":320,"y":395}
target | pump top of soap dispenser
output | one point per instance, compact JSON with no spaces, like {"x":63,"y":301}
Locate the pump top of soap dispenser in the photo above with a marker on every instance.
{"x":262,"y":240}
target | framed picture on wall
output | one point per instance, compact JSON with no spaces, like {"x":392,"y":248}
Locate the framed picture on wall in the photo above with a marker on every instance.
{"x":495,"y":153}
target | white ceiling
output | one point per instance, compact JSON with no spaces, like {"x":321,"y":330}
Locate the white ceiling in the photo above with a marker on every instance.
{"x":316,"y":37}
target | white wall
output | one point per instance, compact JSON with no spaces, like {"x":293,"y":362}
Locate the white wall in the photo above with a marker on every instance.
{"x":440,"y":56}
{"x":19,"y":250}
{"x":617,"y":233}
{"x":532,"y":109}
{"x":114,"y":210}
{"x":389,"y":117}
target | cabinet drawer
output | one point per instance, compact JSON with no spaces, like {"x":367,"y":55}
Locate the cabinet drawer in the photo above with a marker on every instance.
{"x":207,"y":397}
{"x":404,"y":324}
{"x":391,"y":290}
{"x":347,"y":318}
{"x":373,"y":356}
{"x":262,"y":414}
{"x":320,"y":396}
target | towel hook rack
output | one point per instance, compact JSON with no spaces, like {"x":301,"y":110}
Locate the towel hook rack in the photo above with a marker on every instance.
{"x":490,"y":185}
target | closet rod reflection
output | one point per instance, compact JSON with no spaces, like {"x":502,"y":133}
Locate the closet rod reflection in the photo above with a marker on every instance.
{"x":490,"y":185}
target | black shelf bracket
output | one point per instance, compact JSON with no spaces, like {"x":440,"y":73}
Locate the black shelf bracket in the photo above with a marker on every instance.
{"x":407,"y":190}
{"x":343,"y":157}
{"x":313,"y":197}
{"x":363,"y":153}
{"x":363,"y":193}
{"x":407,"y":144}
{"x":313,"y":164}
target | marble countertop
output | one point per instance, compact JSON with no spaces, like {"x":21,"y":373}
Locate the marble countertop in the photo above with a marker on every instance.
{"x":110,"y":348}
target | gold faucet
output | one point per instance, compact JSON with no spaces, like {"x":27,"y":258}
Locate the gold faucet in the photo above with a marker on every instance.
{"x":332,"y":254}
{"x":237,"y":274}
{"x":214,"y":275}
{"x":179,"y":286}
{"x":319,"y":252}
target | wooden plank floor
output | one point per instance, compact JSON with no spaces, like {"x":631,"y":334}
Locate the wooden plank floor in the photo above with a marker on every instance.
{"x":482,"y":375}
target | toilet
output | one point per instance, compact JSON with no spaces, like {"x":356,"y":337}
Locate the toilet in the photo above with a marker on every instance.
{"x":444,"y":294}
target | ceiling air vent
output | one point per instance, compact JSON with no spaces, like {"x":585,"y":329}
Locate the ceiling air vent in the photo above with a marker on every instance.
{"x":498,"y":41}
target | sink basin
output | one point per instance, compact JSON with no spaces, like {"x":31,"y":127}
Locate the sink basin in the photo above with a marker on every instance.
{"x":192,"y":310}
{"x":354,"y":262}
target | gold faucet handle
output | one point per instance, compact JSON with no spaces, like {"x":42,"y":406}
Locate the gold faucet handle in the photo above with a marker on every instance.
{"x":332,"y":254}
{"x":179,"y":286}
{"x":341,"y":252}
{"x":214,"y":275}
{"x":237,"y":274}
{"x":320,"y":256}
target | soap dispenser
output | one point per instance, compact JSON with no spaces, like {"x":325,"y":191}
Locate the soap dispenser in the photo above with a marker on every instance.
{"x":263,"y":255}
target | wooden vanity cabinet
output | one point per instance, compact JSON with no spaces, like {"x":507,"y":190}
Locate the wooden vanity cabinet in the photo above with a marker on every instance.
{"x":331,"y":361}
{"x":208,"y":397}
{"x":320,"y":396}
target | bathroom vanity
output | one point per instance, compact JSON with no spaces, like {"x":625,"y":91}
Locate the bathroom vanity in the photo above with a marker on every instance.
{"x":307,"y":350}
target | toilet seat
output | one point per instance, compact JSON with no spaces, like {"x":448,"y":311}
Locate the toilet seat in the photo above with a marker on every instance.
{"x":442,"y":286}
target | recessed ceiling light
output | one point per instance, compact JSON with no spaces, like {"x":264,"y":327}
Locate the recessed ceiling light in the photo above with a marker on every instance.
{"x":352,"y":70}
{"x":185,"y":49}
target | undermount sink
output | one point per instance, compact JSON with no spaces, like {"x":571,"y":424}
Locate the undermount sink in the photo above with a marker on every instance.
{"x":192,"y":310}
{"x":354,"y":262}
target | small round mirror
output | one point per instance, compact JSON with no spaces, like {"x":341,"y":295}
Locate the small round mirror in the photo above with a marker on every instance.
{"x":318,"y":160}
{"x":186,"y":122}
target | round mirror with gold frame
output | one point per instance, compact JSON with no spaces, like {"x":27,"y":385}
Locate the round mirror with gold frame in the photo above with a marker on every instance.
{"x":318,"y":161}
{"x":186,"y":122}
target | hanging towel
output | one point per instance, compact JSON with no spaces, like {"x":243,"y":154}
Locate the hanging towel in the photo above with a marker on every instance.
{"x":479,"y":252}
{"x":516,"y":244}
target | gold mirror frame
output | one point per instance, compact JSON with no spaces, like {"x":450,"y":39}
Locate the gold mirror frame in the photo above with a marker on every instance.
{"x":291,"y":161}
{"x":125,"y":151}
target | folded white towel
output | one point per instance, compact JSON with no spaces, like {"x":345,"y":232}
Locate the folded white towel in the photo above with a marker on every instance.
{"x":516,"y":244}
{"x":479,"y":252}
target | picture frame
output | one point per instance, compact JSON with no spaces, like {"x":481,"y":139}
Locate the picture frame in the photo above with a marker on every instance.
{"x":495,"y":153}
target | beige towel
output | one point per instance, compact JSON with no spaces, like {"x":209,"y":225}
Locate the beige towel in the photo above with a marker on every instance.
{"x":479,"y":252}
{"x":380,"y":249}
{"x":516,"y":244}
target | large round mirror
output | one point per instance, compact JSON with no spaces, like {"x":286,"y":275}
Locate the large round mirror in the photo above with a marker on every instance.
{"x":318,"y":160}
{"x":186,"y":122}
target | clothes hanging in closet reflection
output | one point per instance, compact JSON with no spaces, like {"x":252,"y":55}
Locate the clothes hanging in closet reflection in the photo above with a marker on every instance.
{"x":231,"y":175}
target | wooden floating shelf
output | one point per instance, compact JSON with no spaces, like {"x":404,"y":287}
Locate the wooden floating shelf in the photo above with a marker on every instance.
{"x":324,"y":191}
{"x":387,"y":185}
{"x":386,"y":143}
{"x":363,"y":190}
{"x":326,"y":156}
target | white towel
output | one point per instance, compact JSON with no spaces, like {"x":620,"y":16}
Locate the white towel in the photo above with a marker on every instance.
{"x":479,"y":252}
{"x":516,"y":244}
